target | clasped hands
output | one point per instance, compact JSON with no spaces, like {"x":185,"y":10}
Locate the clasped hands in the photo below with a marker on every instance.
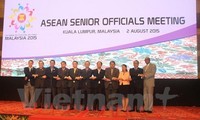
{"x":93,"y":77}
{"x":141,"y":75}
{"x":113,"y":78}
{"x":36,"y":75}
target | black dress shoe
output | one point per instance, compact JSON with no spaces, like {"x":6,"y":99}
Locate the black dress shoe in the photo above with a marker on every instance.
{"x":123,"y":110}
{"x":84,"y":108}
{"x":106,"y":109}
{"x":138,"y":111}
{"x":145,"y":111}
{"x":38,"y":107}
{"x":131,"y":110}
{"x":149,"y":111}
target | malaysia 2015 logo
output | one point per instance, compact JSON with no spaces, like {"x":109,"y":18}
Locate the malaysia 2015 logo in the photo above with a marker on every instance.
{"x":21,"y":18}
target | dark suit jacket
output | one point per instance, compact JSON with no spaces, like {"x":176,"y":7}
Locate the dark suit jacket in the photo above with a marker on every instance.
{"x":29,"y":74}
{"x":135,"y":78}
{"x":99,"y":78}
{"x":39,"y":81}
{"x":108,"y":75}
{"x":74,"y":82}
{"x":62,"y":73}
{"x":86,"y":82}
{"x":50,"y":81}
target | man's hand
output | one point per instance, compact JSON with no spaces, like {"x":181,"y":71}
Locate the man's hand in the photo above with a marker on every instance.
{"x":58,"y":78}
{"x":25,"y":78}
{"x":68,"y":78}
{"x":79,"y":78}
{"x":44,"y":76}
{"x":93,"y":77}
{"x":114,"y":78}
{"x":141,"y":75}
{"x":106,"y":79}
{"x":35,"y":75}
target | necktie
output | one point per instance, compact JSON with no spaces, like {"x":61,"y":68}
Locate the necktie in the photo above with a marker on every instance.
{"x":74,"y":71}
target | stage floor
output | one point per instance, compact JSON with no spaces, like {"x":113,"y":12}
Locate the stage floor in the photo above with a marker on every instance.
{"x":159,"y":113}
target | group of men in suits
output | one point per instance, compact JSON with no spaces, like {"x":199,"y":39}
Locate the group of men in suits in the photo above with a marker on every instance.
{"x":46,"y":84}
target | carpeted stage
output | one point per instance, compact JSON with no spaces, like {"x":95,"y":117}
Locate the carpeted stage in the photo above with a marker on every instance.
{"x":14,"y":110}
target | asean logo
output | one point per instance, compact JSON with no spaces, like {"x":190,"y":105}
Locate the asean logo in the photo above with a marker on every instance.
{"x":21,"y":18}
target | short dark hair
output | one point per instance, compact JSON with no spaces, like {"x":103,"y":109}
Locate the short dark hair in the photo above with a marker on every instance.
{"x":136,"y":61}
{"x":87,"y":61}
{"x":75,"y":62}
{"x":100,"y":62}
{"x":112,"y":62}
{"x":63,"y":62}
{"x":53,"y":61}
{"x":41,"y":61}
{"x":31,"y":61}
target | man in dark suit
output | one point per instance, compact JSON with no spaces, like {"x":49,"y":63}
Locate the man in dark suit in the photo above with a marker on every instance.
{"x":50,"y":82}
{"x":111,"y":82}
{"x":74,"y":82}
{"x":29,"y":85}
{"x":39,"y":84}
{"x":136,"y":84}
{"x":61,"y":84}
{"x":97,"y":84}
{"x":86,"y":85}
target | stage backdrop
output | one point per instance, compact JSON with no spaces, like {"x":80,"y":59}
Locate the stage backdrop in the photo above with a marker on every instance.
{"x":101,"y":30}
